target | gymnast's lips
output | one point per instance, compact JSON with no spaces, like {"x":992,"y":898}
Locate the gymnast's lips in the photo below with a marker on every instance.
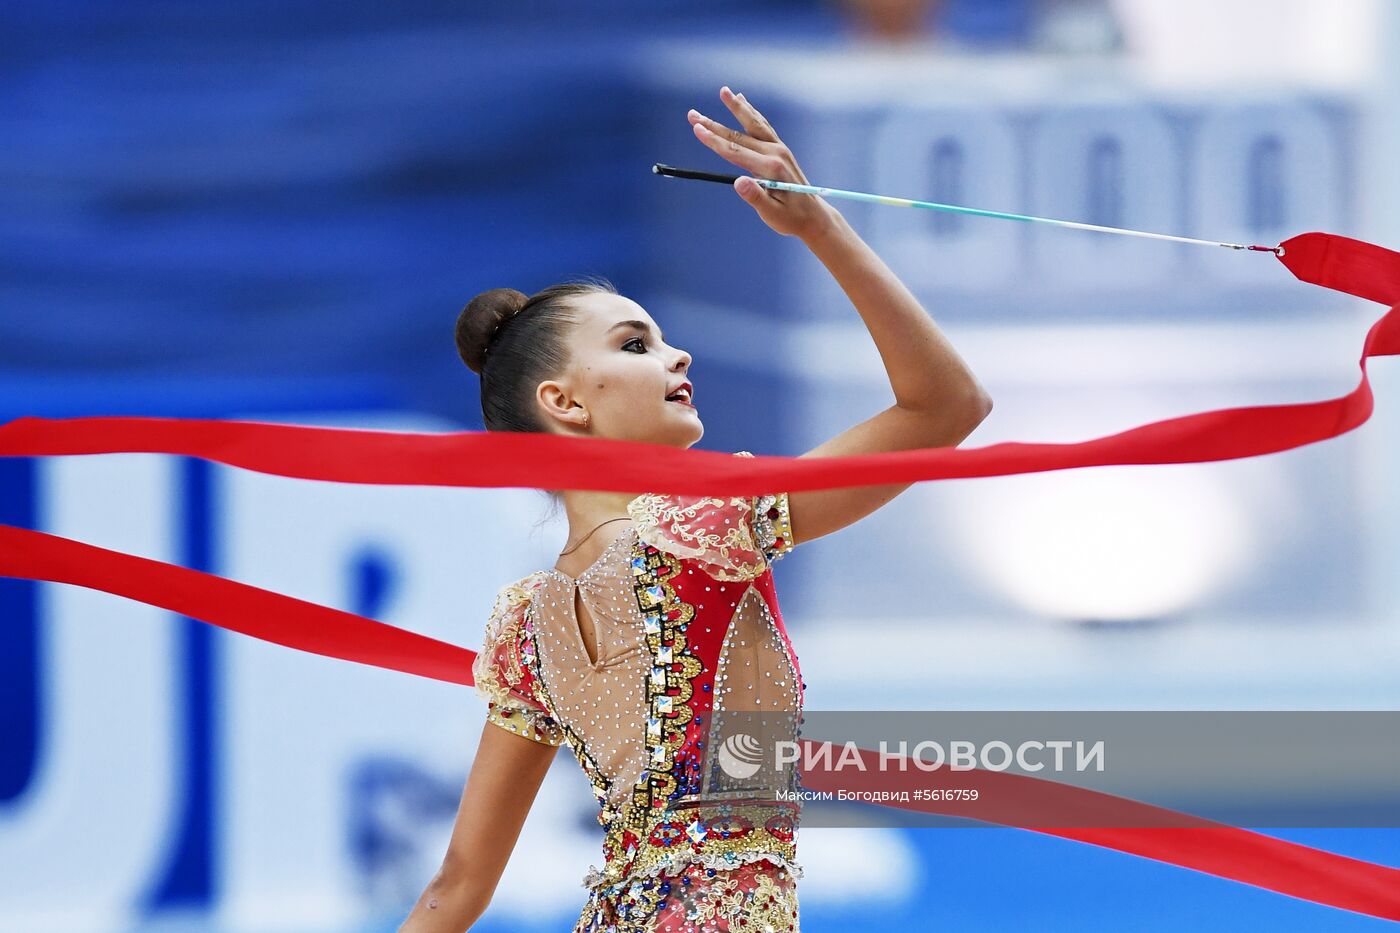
{"x":682,"y":394}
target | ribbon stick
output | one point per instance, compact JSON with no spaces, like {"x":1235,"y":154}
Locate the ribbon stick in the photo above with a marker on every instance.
{"x":774,"y":185}
{"x":479,"y":459}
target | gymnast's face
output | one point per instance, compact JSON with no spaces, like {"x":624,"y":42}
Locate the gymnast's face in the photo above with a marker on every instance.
{"x":624,"y":376}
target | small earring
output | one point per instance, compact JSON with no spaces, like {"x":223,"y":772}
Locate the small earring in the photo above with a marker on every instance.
{"x":585,"y":419}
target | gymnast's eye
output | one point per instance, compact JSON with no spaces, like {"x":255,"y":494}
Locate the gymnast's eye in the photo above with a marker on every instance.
{"x":638,"y":341}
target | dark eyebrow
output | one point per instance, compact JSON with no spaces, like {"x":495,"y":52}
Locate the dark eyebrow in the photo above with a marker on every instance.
{"x":639,"y":325}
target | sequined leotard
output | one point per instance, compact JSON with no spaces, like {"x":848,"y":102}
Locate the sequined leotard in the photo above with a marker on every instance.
{"x":693,"y":662}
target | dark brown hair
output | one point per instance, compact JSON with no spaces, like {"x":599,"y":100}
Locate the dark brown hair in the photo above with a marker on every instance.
{"x":514,"y":342}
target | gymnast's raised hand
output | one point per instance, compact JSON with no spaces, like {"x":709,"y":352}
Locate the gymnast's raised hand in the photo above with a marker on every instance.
{"x":758,"y":149}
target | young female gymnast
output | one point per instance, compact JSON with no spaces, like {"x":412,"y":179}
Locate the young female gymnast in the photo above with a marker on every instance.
{"x":659,"y":627}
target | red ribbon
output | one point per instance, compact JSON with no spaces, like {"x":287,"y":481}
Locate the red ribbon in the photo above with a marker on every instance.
{"x":480,"y":459}
{"x":493,"y":459}
{"x":1133,"y":827}
{"x":238,"y":607}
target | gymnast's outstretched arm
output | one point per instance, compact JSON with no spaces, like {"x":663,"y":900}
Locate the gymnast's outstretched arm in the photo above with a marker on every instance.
{"x":938,"y":401}
{"x":505,"y":777}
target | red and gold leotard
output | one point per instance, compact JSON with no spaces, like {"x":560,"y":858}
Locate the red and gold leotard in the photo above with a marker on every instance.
{"x":692,"y":662}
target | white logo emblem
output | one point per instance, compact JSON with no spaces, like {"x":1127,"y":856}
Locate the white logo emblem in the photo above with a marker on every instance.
{"x":740,"y":755}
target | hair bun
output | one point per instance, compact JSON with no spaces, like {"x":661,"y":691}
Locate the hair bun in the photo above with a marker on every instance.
{"x":481,"y":318}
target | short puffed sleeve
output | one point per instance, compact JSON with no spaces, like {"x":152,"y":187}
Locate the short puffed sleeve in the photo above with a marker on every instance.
{"x":734,"y":537}
{"x":506,"y":669}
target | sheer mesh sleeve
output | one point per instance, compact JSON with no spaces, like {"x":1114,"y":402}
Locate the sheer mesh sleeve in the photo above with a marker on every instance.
{"x":505,"y":670}
{"x":734,"y":537}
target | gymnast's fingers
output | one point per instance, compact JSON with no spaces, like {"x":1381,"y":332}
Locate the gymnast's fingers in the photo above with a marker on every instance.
{"x":754,"y":122}
{"x":741,"y":156}
{"x":733,"y":136}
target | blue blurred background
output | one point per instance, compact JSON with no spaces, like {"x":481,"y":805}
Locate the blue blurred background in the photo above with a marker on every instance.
{"x":274,"y":211}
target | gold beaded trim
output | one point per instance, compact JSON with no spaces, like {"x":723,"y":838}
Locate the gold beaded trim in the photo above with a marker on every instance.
{"x":532,"y":724}
{"x":664,"y":616}
{"x":772,"y":524}
{"x":700,"y":834}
